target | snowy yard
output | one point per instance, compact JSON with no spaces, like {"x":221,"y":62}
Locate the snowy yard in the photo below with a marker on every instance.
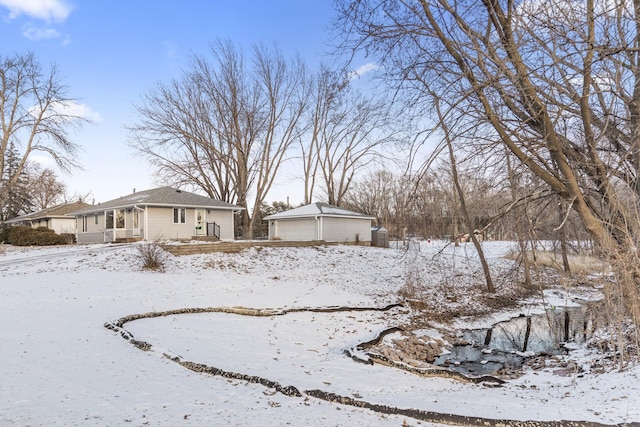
{"x":61,"y":366}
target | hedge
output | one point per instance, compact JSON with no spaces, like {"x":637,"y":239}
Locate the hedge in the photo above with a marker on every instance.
{"x":4,"y":234}
{"x":40,"y":236}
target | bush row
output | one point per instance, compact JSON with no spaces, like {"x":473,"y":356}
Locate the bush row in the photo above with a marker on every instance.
{"x":40,"y":236}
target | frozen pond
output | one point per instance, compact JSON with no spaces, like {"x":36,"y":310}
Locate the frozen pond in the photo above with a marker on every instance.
{"x":507,"y":344}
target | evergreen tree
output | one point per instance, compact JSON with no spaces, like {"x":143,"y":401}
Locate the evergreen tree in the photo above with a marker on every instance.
{"x":14,"y":199}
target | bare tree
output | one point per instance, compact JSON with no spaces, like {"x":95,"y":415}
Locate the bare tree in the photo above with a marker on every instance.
{"x":372,"y":195}
{"x":45,"y":188}
{"x":448,"y":139}
{"x":348,"y":131}
{"x":556,"y":82}
{"x":328,"y":88}
{"x":518,"y":220}
{"x":351,"y":139}
{"x":285,"y":88}
{"x":225,"y":128}
{"x":36,"y":115}
{"x":179,"y":130}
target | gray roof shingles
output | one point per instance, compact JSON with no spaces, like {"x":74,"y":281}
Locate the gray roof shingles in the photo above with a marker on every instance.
{"x":163,"y":196}
{"x":61,"y":210}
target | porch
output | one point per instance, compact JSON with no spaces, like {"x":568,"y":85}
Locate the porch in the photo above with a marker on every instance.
{"x":208,"y":232}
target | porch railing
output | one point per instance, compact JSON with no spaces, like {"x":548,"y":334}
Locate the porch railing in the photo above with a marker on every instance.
{"x":213,"y":229}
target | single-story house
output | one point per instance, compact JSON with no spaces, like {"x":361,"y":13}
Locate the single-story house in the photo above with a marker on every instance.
{"x":320,"y":221}
{"x":159,"y":213}
{"x":56,"y":218}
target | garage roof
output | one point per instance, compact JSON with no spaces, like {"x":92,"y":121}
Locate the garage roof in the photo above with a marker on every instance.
{"x":317,"y":209}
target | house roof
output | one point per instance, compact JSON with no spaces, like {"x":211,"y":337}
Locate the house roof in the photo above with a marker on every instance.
{"x":58,"y":211}
{"x":317,"y":209}
{"x":163,"y":196}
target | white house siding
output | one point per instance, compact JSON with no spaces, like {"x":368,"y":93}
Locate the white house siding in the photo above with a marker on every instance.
{"x":345,"y":229}
{"x":94,"y":232}
{"x":91,"y":223}
{"x":224,"y":218}
{"x":59,"y":225}
{"x":63,"y":225}
{"x":39,"y":223}
{"x":161,"y":226}
{"x":301,"y":229}
{"x":90,"y":237}
{"x":155,"y":220}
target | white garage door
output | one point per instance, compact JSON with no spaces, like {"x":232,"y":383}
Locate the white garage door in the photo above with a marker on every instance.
{"x":297,"y":229}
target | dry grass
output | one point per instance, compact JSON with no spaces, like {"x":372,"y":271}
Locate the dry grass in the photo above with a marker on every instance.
{"x":579,"y":264}
{"x":454,"y":291}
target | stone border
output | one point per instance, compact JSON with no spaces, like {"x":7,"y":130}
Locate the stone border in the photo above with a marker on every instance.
{"x":237,"y":246}
{"x":418,"y":414}
{"x":426,"y":372}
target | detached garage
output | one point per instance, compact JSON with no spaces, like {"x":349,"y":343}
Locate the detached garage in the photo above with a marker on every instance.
{"x":320,"y":221}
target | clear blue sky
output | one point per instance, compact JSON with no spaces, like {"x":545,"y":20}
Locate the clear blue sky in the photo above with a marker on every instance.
{"x":110,"y":52}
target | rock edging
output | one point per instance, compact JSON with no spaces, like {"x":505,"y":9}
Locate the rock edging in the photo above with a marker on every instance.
{"x":292,"y":391}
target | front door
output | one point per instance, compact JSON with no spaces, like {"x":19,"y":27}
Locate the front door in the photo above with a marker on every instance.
{"x":200,"y":230}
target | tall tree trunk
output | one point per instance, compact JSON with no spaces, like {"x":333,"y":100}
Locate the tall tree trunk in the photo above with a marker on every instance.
{"x":562,"y":236}
{"x":526,"y":266}
{"x":463,"y":206}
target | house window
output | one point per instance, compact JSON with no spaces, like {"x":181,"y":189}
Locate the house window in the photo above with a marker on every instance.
{"x":179,"y":215}
{"x":108,"y":220}
{"x":120,"y":218}
{"x":84,"y":224}
{"x":95,"y":219}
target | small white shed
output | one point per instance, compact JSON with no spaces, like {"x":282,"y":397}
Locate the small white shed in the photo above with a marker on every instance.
{"x":320,"y":221}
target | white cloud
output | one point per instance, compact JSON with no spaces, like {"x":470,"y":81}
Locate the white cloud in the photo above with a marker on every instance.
{"x":70,"y":108}
{"x":42,"y":160}
{"x":35,"y":33}
{"x":46,"y":10}
{"x":77,"y":109}
{"x":363,"y":69}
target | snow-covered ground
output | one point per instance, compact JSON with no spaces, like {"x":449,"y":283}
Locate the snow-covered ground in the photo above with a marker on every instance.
{"x":61,"y":366}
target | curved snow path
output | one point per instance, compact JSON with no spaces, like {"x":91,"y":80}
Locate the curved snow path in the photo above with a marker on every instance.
{"x":289,"y":390}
